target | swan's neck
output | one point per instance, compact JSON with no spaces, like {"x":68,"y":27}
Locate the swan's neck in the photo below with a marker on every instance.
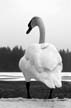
{"x":42,"y":34}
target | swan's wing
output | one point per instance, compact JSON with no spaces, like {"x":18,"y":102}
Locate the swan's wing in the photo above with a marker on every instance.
{"x":51,"y":64}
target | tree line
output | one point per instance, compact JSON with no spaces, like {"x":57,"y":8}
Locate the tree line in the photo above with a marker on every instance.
{"x":9,"y":59}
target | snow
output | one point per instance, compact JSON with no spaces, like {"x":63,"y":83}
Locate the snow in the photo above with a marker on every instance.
{"x":34,"y":103}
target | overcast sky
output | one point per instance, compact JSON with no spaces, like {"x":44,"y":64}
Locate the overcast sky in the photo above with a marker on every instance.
{"x":15,"y":15}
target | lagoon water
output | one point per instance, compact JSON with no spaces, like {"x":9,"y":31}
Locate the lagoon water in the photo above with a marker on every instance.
{"x":11,"y":76}
{"x":18,"y":76}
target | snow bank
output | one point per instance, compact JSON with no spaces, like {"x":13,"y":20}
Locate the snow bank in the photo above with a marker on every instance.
{"x":34,"y":103}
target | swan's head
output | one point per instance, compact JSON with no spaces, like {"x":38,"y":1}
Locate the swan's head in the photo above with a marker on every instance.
{"x":35,"y":21}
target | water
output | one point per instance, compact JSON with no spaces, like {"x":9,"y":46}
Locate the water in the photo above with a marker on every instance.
{"x":11,"y":76}
{"x":18,"y":76}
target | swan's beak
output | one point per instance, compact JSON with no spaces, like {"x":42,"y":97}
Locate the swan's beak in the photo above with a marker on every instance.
{"x":28,"y":31}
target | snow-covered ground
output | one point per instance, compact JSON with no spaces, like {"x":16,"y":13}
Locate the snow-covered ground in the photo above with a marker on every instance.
{"x":34,"y":103}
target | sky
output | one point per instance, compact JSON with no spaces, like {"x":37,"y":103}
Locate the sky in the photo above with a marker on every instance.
{"x":16,"y":14}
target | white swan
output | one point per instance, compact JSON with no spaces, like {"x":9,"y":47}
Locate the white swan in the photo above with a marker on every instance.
{"x":41,"y":61}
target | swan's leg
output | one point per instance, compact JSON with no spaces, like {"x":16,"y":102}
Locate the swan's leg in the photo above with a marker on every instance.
{"x":28,"y":89}
{"x":50,"y":93}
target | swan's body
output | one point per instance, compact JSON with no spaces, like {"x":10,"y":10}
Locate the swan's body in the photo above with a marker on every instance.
{"x":41,"y":61}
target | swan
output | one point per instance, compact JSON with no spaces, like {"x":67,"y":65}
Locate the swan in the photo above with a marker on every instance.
{"x":41,"y":61}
